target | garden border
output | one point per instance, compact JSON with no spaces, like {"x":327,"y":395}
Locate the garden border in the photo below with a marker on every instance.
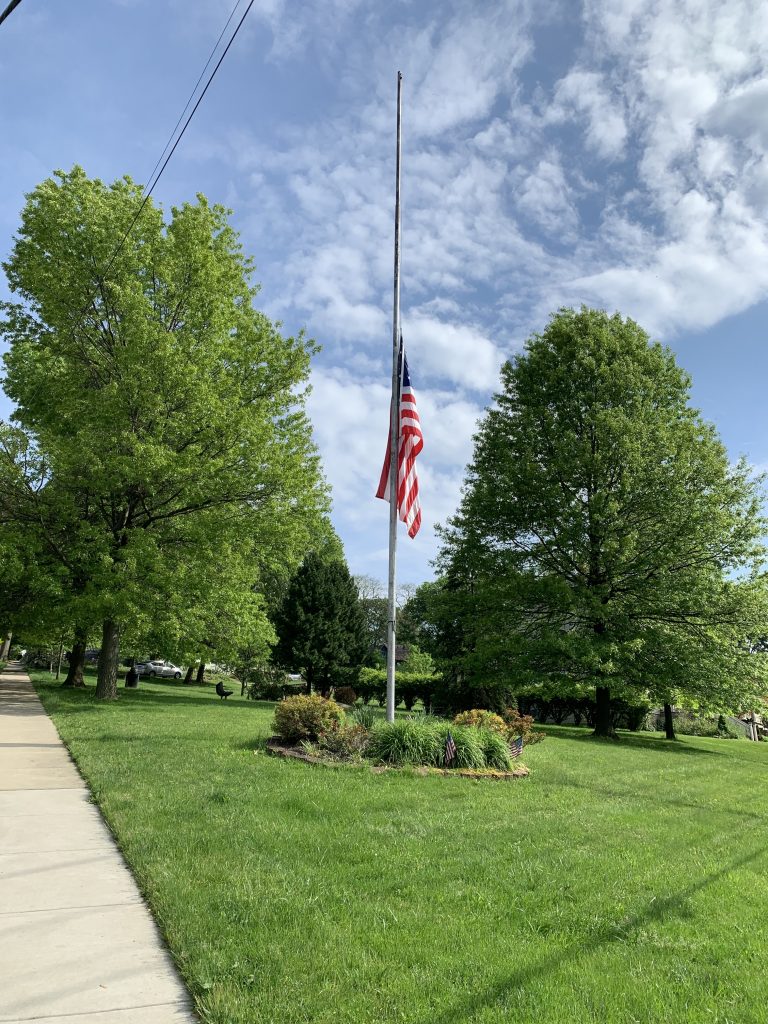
{"x":277,"y":748}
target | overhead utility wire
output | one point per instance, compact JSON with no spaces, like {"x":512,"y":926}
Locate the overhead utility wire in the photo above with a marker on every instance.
{"x":9,"y":10}
{"x":194,"y":90}
{"x":154,"y":182}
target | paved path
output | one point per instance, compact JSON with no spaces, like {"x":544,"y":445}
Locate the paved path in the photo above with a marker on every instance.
{"x":77,"y":943}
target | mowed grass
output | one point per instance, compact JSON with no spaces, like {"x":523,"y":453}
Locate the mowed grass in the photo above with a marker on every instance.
{"x":622,"y":882}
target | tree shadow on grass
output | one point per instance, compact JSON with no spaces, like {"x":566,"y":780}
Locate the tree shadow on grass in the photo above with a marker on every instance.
{"x":656,"y":910}
{"x":653,"y":799}
{"x":630,"y":739}
{"x":77,"y":701}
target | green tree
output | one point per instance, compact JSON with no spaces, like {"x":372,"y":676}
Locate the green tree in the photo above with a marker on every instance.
{"x":167,"y":409}
{"x":603,"y":527}
{"x":320,"y":626}
{"x":375,"y":609}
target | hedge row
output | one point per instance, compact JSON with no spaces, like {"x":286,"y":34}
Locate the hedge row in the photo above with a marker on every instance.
{"x":372,"y":686}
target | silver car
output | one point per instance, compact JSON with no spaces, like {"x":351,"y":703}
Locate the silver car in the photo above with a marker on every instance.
{"x":160,"y":669}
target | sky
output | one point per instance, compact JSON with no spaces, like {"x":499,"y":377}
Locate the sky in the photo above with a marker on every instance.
{"x":613,"y":152}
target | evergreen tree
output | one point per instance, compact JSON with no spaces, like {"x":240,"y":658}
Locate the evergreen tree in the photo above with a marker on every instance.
{"x":320,"y":626}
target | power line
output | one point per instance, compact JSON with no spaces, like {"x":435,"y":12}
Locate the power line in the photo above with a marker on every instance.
{"x":9,"y":10}
{"x":194,"y":89}
{"x":180,"y":136}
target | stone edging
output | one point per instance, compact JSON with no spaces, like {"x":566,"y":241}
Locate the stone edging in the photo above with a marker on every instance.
{"x":277,"y":748}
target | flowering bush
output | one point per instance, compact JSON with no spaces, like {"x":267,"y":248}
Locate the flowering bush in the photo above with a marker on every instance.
{"x":305,"y":717}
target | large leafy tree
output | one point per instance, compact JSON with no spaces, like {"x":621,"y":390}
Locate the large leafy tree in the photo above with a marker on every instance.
{"x":321,"y":627}
{"x":604,"y":536}
{"x":166,"y":409}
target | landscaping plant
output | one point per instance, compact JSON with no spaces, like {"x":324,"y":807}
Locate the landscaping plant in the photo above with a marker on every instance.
{"x":305,"y":717}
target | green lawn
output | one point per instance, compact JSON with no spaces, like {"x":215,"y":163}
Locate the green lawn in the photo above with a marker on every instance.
{"x":619,"y":883}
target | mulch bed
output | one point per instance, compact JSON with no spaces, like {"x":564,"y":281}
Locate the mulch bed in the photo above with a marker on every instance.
{"x":277,"y":748}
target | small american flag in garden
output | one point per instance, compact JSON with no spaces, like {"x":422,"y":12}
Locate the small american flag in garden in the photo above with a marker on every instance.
{"x":450,"y":750}
{"x":516,"y":747}
{"x":409,"y":443}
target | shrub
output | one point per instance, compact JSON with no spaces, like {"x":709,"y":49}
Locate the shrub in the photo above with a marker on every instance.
{"x":364,"y":716}
{"x":522,"y":725}
{"x":344,"y":695}
{"x":469,"y":746}
{"x":267,"y":683}
{"x":305,"y":717}
{"x":449,"y":696}
{"x":407,"y":741}
{"x":372,"y":685}
{"x":422,"y":742}
{"x":482,"y":720}
{"x":534,"y":736}
{"x":495,"y":749}
{"x":346,"y":740}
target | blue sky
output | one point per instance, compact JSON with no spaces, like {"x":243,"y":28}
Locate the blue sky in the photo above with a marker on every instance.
{"x":612,"y":153}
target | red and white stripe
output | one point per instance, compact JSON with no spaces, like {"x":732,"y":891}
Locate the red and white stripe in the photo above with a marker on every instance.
{"x":410,"y":443}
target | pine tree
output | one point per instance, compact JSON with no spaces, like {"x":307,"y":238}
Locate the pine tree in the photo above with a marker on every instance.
{"x":320,"y":626}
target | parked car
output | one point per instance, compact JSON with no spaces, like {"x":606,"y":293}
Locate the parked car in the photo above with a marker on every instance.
{"x":159,"y":668}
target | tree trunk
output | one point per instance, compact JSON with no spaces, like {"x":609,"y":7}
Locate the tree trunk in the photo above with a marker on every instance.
{"x":603,"y":723}
{"x":106,"y":686}
{"x":74,"y":676}
{"x":6,"y":647}
{"x":200,"y":673}
{"x":669,"y":723}
{"x":188,"y":676}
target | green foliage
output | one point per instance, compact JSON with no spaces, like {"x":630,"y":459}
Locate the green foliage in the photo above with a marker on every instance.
{"x":345,"y":740}
{"x":495,"y":749}
{"x":407,"y":741}
{"x":470,"y":745}
{"x":174,"y":482}
{"x":482,"y":720}
{"x":518,"y":725}
{"x":604,"y":537}
{"x":267,"y":683}
{"x":418,"y":662}
{"x":344,"y":695}
{"x":421,"y":741}
{"x":372,"y":685}
{"x":692,"y":725}
{"x":320,"y":625}
{"x":364,"y":715}
{"x":305,"y":717}
{"x":375,"y":611}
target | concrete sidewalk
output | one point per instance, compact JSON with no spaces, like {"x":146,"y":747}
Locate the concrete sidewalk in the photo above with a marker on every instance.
{"x":77,"y":943}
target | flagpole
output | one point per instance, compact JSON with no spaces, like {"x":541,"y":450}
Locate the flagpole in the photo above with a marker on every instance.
{"x":394,"y":431}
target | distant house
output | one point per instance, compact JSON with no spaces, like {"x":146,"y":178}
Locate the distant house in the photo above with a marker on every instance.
{"x":402,"y":652}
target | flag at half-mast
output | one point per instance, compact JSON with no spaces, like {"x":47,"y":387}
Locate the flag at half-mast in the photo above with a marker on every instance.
{"x":409,"y":443}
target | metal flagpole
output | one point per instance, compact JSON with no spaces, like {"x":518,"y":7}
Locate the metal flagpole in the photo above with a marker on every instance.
{"x":394,"y":431}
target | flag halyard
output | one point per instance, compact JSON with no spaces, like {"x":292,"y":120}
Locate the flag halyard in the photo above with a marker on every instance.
{"x":409,"y":444}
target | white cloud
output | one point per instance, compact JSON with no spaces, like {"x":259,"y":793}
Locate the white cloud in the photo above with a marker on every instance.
{"x":453,"y":352}
{"x":546,"y":197}
{"x":587,"y":93}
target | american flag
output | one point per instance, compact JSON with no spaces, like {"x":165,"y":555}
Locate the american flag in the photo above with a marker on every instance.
{"x":450,"y":750}
{"x":516,"y":747}
{"x":409,"y":444}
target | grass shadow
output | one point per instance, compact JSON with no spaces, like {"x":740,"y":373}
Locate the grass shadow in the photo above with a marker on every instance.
{"x":656,"y":910}
{"x":626,"y":739}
